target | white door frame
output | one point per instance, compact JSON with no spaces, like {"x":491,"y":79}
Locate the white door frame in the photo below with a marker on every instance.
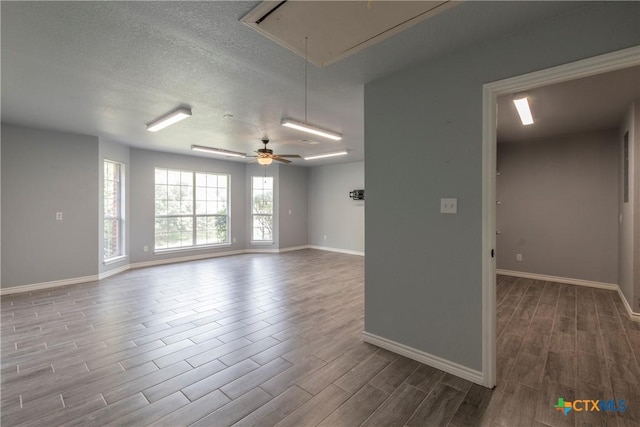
{"x":491,"y":91}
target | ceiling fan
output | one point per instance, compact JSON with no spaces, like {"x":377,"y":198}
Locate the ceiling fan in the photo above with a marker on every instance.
{"x":265,"y":156}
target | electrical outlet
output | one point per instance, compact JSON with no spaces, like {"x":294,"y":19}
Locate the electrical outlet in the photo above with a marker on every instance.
{"x":518,"y":257}
{"x":234,"y":240}
{"x":58,"y":216}
{"x":448,"y":206}
{"x":145,"y":248}
{"x":325,"y":237}
{"x":289,"y":211}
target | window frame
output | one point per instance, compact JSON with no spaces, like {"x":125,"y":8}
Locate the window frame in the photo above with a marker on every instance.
{"x":254,"y":214}
{"x":194,"y":216}
{"x":120,"y":253}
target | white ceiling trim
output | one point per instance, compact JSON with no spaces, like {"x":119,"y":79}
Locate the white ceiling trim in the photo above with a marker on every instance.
{"x":336,"y":21}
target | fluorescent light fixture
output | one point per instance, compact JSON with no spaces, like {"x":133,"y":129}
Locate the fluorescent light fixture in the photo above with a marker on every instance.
{"x":322,"y":156}
{"x":219,"y":151}
{"x":522,"y":105}
{"x":169,"y":119}
{"x":311,"y":129}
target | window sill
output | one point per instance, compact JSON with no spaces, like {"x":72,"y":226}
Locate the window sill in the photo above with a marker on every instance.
{"x":114,"y":260}
{"x":262,"y":242}
{"x":190,"y":248}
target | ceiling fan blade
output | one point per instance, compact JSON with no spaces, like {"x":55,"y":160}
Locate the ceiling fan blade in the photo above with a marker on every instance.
{"x":294,"y":156}
{"x":277,"y":158}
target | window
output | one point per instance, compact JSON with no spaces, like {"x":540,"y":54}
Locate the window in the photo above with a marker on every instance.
{"x":191,"y":209}
{"x":262,"y":212}
{"x":113,"y":210}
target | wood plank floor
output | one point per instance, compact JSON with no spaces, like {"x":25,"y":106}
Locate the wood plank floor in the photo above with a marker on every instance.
{"x":264,"y":340}
{"x":557,"y":340}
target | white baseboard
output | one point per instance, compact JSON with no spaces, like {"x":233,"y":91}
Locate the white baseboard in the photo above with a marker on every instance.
{"x":426,"y":358}
{"x":275,"y":250}
{"x":47,"y":285}
{"x":113,"y":272}
{"x":579,"y":282}
{"x":632,"y":314}
{"x":342,"y":251}
{"x":185,"y":258}
{"x":294,"y":248}
{"x":261,"y":251}
{"x":566,"y":280}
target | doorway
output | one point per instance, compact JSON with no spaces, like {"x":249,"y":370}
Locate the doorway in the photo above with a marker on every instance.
{"x":491,"y":91}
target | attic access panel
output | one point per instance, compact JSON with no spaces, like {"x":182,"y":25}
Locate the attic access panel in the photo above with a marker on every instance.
{"x":337,"y":29}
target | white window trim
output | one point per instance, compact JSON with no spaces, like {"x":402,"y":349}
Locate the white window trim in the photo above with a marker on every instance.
{"x":263,"y":242}
{"x":121,"y":215}
{"x":195,"y":247}
{"x":114,"y":260}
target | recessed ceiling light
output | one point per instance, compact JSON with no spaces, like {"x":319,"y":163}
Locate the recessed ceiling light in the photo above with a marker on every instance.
{"x":522,"y":105}
{"x":220,"y":151}
{"x":169,"y":119}
{"x":322,"y":156}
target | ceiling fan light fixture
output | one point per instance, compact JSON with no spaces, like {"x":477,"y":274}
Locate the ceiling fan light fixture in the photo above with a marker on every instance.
{"x":311,"y":129}
{"x":322,"y":156}
{"x":522,"y":105}
{"x":265,"y":161}
{"x":220,"y":151}
{"x":169,"y":119}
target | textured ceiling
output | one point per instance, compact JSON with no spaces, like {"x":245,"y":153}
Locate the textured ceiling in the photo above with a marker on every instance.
{"x":107,"y":68}
{"x":592,"y":103}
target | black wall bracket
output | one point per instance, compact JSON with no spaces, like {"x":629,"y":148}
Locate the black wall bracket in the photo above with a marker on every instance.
{"x":357,"y":194}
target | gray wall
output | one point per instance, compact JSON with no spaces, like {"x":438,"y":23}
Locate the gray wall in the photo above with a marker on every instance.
{"x":115,"y":152}
{"x":0,"y":208}
{"x":293,"y":206}
{"x":331,"y":212}
{"x":629,"y":231}
{"x":142,"y":176}
{"x":559,"y":206}
{"x":635,"y":182}
{"x":423,"y":135}
{"x":44,"y":172}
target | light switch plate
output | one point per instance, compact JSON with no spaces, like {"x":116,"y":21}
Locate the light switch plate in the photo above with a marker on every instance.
{"x":449,"y":206}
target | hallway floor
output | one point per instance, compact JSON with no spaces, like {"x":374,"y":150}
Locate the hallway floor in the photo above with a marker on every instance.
{"x":557,"y":340}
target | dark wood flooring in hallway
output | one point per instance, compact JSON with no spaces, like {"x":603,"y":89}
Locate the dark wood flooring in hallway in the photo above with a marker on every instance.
{"x":557,"y":340}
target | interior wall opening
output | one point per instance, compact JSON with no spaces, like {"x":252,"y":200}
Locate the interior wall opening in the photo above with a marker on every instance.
{"x":529,"y":85}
